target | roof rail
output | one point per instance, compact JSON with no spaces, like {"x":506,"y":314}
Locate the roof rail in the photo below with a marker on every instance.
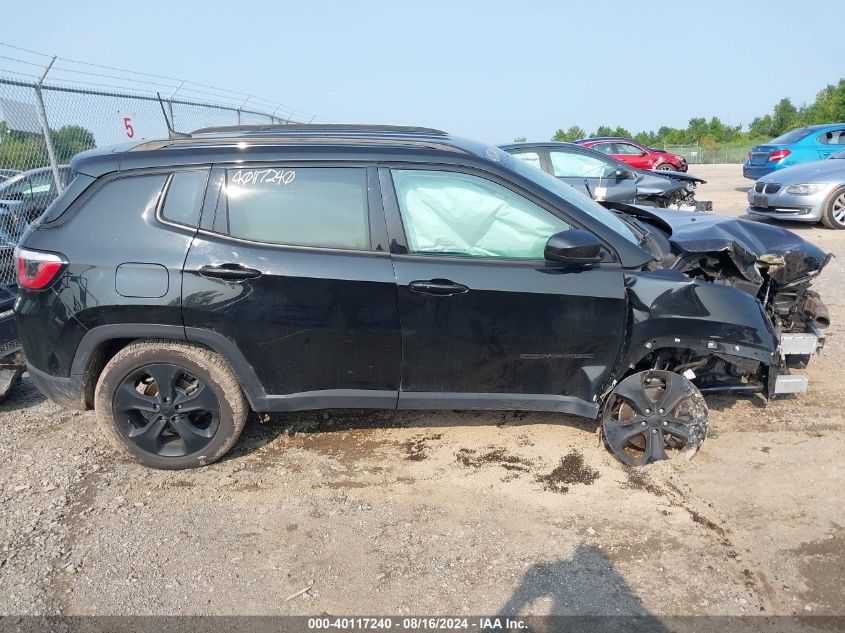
{"x":322,"y":127}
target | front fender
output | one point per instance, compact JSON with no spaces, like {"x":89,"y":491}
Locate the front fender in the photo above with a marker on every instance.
{"x":668,"y":309}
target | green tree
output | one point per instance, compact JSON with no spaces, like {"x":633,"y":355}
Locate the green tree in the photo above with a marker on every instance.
{"x":519,"y":139}
{"x":574,"y":133}
{"x":784,"y":117}
{"x":69,"y":140}
{"x":828,"y":107}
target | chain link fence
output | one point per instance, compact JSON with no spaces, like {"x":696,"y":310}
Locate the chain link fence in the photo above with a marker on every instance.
{"x":698,"y":155}
{"x":43,"y":125}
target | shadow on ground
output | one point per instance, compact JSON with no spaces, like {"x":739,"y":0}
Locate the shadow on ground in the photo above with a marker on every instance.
{"x":585,"y":588}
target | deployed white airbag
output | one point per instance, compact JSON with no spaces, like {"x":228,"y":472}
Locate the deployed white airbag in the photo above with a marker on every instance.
{"x":462,"y":214}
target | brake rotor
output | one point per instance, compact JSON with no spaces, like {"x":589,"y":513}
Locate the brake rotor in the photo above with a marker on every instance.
{"x":654,"y":415}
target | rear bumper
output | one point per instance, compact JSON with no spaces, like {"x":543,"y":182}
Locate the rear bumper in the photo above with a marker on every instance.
{"x":67,"y":392}
{"x":754,"y":172}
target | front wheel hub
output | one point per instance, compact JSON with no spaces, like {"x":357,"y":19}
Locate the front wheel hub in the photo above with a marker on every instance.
{"x":654,"y":415}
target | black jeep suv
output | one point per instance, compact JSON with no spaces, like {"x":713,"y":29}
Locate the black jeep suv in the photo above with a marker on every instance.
{"x":176,"y":284}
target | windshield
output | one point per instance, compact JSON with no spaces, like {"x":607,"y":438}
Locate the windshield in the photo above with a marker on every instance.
{"x":792,"y":137}
{"x":839,"y":154}
{"x":572,"y":196}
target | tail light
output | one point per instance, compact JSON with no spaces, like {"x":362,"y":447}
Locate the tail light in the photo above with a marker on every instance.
{"x":779,"y":155}
{"x":36,"y":269}
{"x":748,"y":156}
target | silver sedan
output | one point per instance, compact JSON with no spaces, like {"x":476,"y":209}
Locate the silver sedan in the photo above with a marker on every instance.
{"x":806,"y":193}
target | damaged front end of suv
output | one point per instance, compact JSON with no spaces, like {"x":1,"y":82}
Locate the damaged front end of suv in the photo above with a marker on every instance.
{"x":744,"y":342}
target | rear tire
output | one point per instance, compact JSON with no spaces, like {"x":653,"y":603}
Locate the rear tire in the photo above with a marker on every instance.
{"x":169,"y":404}
{"x":833,"y":211}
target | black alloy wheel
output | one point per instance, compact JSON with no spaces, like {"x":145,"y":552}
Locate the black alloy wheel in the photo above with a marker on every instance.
{"x":165,"y":410}
{"x":654,"y":415}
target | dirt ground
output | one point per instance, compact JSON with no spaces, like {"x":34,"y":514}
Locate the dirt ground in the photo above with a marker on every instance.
{"x":442,"y":513}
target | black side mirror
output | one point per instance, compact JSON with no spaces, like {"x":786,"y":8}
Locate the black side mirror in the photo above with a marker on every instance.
{"x":573,"y":248}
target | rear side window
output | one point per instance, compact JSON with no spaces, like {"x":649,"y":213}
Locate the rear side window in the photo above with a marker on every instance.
{"x":834,"y":137}
{"x":309,"y":206}
{"x":604,"y":148}
{"x":532,"y":158}
{"x":135,"y":195}
{"x":183,"y":200}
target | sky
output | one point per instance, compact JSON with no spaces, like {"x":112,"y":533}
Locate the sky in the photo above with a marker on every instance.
{"x":489,"y":70}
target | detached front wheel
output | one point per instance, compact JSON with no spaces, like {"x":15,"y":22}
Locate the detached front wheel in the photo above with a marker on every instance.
{"x":170,"y":404}
{"x":654,"y":415}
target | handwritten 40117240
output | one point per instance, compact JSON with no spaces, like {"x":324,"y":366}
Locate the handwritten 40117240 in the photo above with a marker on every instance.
{"x":244,"y":177}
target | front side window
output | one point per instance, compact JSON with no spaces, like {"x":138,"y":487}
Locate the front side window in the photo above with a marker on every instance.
{"x":451,"y":213}
{"x":42,"y":184}
{"x":298,"y":206}
{"x":577,"y":165}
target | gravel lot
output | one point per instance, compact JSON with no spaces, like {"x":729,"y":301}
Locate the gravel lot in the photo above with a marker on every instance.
{"x":447,"y":513}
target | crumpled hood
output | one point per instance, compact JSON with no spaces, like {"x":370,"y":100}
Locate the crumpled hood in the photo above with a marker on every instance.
{"x":751,"y":245}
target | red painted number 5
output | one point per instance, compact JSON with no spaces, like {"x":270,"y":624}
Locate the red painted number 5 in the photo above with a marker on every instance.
{"x":130,"y":131}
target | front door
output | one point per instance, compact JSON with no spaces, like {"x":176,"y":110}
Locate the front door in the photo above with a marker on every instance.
{"x":486,"y":321}
{"x":633,"y":155}
{"x":288,"y":274}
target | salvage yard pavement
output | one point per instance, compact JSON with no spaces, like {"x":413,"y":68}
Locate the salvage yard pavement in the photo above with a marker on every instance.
{"x":350,"y":512}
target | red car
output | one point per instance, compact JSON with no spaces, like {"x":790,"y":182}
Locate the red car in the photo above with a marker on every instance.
{"x":634,"y":154}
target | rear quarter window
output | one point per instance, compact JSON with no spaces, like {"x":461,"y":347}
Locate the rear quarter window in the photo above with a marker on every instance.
{"x":124,"y":197}
{"x":312,"y":206}
{"x":183,"y":197}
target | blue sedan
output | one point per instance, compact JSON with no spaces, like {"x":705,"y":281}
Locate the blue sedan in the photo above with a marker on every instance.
{"x":805,"y":144}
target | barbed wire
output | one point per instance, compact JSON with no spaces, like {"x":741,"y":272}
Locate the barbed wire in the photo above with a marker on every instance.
{"x":129,"y":79}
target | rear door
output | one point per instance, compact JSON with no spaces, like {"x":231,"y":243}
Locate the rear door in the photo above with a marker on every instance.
{"x":486,"y":321}
{"x":289,"y":272}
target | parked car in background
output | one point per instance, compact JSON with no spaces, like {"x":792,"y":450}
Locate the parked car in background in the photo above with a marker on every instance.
{"x":811,"y":192}
{"x":599,"y":176}
{"x":634,"y":154}
{"x":802,"y":145}
{"x":605,"y":178}
{"x":5,"y":174}
{"x":177,"y":283}
{"x":24,"y":197}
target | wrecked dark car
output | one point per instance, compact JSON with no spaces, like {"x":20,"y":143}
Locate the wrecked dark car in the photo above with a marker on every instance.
{"x":603,"y":177}
{"x":177,"y":284}
{"x":670,"y":190}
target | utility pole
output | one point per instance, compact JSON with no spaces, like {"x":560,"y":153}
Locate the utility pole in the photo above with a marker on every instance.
{"x":45,"y":128}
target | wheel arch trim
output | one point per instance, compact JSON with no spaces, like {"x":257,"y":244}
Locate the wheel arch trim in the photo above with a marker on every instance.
{"x":216,"y":342}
